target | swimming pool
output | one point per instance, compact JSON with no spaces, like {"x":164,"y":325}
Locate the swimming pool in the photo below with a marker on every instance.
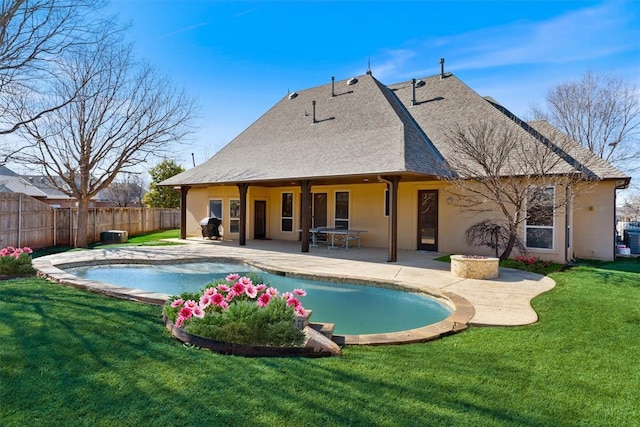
{"x":354,"y":309}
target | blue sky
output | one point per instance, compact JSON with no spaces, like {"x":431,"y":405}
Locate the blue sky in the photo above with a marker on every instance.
{"x":239,"y":58}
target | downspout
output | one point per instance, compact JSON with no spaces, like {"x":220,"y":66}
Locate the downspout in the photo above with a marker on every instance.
{"x":392,"y":241}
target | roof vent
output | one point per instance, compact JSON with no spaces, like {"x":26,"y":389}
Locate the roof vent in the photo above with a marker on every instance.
{"x":352,"y":81}
{"x":293,"y":95}
{"x":420,"y":83}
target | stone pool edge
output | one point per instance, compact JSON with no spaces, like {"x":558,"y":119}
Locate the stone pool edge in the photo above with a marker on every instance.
{"x":457,"y":321}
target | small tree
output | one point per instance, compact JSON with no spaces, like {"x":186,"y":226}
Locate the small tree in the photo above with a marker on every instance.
{"x":505,"y":169}
{"x":163,"y":197}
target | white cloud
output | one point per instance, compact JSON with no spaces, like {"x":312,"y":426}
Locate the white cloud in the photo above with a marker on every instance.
{"x":182,"y":30}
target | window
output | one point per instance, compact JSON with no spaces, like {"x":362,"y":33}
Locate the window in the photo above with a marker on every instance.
{"x":540,"y":219}
{"x":287,"y":212}
{"x":215,"y":208}
{"x":342,"y":210}
{"x":234,"y":216}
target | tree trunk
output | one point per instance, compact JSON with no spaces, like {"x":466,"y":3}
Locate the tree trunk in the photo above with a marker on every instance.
{"x":510,"y":244}
{"x":81,"y":223}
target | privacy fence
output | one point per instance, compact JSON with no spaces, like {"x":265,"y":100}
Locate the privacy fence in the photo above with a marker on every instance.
{"x":25,"y":221}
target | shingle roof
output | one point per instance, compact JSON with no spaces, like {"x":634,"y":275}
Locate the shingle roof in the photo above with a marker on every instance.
{"x":369,"y":128}
{"x":361,"y":130}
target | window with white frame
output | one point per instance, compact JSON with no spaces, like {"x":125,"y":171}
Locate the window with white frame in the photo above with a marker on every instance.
{"x":234,"y":216}
{"x":539,"y":228}
{"x":341,"y":217}
{"x":287,"y":212}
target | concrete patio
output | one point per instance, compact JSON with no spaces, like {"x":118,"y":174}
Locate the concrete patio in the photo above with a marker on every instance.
{"x":504,"y":301}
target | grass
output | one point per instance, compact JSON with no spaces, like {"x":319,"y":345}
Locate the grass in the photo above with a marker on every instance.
{"x":145,"y":239}
{"x":70,"y":357}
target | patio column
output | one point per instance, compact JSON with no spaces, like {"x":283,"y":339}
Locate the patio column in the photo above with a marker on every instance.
{"x":243,"y":187}
{"x":183,"y":211}
{"x":306,"y":213}
{"x":392,"y":186}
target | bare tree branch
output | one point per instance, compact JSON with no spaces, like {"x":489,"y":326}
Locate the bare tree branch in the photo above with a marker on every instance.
{"x":507,"y":169}
{"x":601,"y":112}
{"x":122,"y":114}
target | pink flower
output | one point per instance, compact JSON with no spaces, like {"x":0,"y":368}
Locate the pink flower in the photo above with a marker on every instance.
{"x":272,"y":291}
{"x":261,"y":287}
{"x":198,"y":312}
{"x":185,"y":312}
{"x":177,"y":303}
{"x":27,"y":250}
{"x":217,"y":299}
{"x":294,"y":302}
{"x":210,"y":291}
{"x":205,"y":301}
{"x":300,"y":292}
{"x":231,"y":278}
{"x":300,"y":311}
{"x":238,"y":288}
{"x":223,"y":288}
{"x":190,"y":304}
{"x":245,"y":281}
{"x":263,"y":300}
{"x":179,"y":322}
{"x":287,"y":295}
{"x":251,"y":290}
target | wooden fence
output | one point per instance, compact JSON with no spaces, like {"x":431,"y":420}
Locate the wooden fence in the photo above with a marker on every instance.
{"x":25,"y":221}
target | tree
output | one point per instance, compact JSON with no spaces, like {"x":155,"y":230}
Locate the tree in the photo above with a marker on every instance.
{"x":34,"y":34}
{"x":163,"y":197}
{"x":507,"y":169}
{"x":601,"y":112}
{"x":122,"y":115}
{"x":127,"y":191}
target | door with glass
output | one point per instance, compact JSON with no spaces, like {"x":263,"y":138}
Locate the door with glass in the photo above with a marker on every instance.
{"x":428,"y":220}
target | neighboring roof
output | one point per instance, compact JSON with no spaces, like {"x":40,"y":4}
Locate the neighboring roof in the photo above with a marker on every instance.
{"x":47,"y":187}
{"x":368,"y":128}
{"x":5,"y":171}
{"x":15,"y":184}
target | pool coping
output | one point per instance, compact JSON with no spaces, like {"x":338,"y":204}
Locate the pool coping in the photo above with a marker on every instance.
{"x":457,"y":321}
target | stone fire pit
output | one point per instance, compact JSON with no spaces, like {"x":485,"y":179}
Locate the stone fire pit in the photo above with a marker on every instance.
{"x":474,"y":266}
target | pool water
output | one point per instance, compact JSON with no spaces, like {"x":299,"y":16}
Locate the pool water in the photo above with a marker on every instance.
{"x":354,"y":309}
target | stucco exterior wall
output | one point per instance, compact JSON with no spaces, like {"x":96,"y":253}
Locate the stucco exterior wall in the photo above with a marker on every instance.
{"x":591,"y":228}
{"x":594,"y":221}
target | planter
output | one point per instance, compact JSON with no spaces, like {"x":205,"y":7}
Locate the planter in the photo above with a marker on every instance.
{"x":474,"y":267}
{"x":313,"y":350}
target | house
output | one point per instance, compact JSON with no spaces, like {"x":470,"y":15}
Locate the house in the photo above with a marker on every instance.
{"x":44,"y":189}
{"x":358,"y":154}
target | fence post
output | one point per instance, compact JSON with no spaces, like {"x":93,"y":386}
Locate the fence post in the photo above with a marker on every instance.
{"x":19,"y":221}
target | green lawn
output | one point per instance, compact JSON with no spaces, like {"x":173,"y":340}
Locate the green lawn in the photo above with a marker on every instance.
{"x":69,"y":357}
{"x":147,"y":239}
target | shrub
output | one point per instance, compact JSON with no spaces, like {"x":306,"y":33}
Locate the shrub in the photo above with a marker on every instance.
{"x":15,"y":261}
{"x":235,"y":310}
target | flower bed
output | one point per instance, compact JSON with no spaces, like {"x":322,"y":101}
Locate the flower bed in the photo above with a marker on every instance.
{"x":474,"y":266}
{"x":15,"y":262}
{"x":236,"y":316}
